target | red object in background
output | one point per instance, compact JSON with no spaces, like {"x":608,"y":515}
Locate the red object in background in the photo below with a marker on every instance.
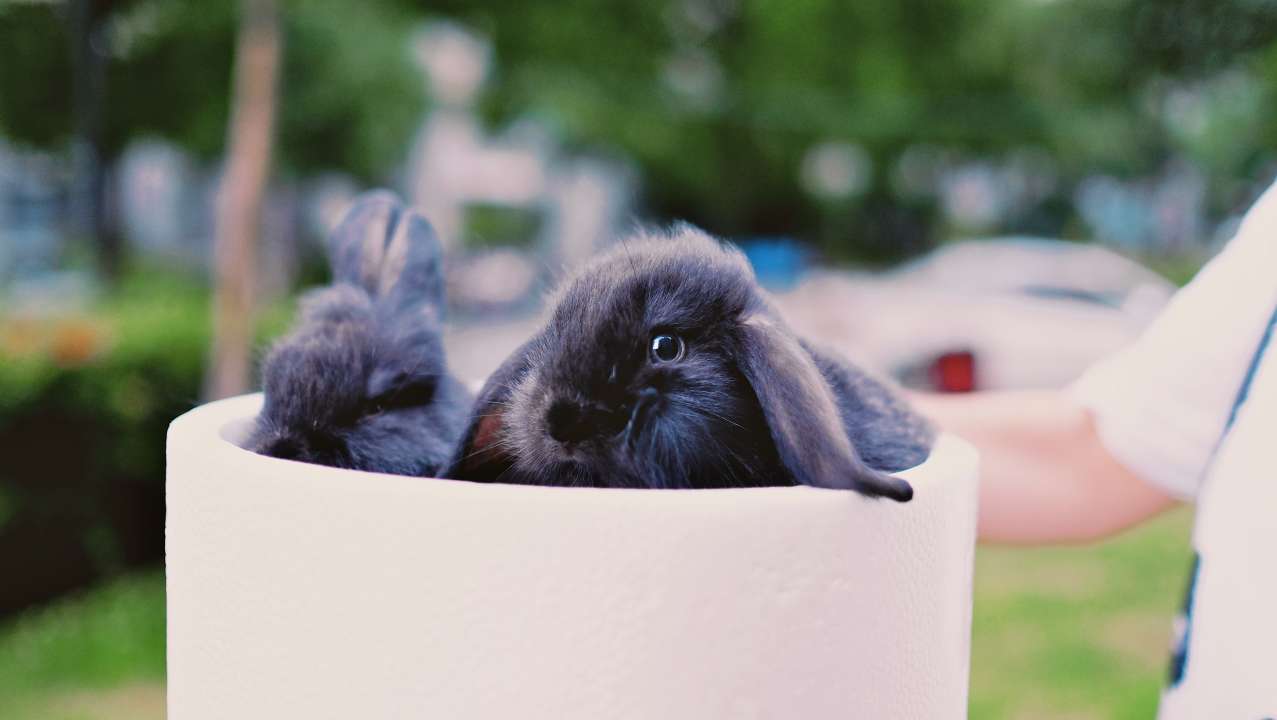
{"x":954,"y":372}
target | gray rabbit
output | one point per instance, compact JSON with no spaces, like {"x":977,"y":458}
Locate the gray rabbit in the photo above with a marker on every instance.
{"x":361,"y":381}
{"x":663,"y":364}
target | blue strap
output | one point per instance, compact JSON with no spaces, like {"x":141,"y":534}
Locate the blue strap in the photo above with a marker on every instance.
{"x":1244,"y":391}
{"x":1179,"y":657}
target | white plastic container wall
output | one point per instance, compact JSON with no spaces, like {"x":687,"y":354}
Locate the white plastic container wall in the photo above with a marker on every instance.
{"x":300,"y":591}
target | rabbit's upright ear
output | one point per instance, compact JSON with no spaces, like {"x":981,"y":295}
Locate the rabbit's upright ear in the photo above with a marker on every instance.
{"x":802,"y":414}
{"x":392,"y":253}
{"x":481,"y":453}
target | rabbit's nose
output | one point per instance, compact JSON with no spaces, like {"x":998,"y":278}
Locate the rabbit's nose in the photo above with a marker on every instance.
{"x":284,"y":448}
{"x":570,"y":422}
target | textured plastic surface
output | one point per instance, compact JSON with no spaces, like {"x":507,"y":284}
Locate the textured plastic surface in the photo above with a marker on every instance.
{"x":298,"y":591}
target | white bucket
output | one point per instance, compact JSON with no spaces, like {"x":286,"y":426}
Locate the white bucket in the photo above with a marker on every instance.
{"x":300,"y":591}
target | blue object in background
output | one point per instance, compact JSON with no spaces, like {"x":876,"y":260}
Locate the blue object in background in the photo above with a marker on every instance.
{"x":778,"y":262}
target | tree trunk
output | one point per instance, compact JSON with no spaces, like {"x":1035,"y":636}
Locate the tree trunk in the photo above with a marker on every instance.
{"x":88,"y":92}
{"x":239,"y":198}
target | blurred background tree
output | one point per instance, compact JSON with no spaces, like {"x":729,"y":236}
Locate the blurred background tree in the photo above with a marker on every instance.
{"x":167,"y":73}
{"x":240,"y":196}
{"x":721,"y":101}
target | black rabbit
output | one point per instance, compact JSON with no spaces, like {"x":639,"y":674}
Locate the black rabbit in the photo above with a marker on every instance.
{"x":361,"y":382}
{"x":663,"y":364}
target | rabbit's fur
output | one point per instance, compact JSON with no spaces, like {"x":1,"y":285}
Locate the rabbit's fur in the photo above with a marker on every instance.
{"x":588,"y":401}
{"x":361,"y":381}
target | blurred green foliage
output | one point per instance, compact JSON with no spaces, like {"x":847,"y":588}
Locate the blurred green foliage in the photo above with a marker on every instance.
{"x":85,"y":403}
{"x":718,"y":101}
{"x":351,"y":95}
{"x":1086,"y":82}
{"x":493,"y":226}
{"x":36,"y":45}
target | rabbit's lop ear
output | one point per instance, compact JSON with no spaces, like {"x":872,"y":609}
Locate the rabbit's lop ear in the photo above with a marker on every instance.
{"x":482,"y":453}
{"x":802,"y":414}
{"x":391,"y":252}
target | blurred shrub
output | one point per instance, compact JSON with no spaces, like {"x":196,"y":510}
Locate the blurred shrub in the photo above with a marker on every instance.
{"x":85,"y":403}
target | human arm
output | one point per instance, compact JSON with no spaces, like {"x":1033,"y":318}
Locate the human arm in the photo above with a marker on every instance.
{"x":1046,"y":476}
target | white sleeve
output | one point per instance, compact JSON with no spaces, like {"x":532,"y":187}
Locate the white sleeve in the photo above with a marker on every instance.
{"x":1161,"y":403}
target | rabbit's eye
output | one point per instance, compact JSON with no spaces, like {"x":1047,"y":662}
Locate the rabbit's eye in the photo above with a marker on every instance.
{"x":666,"y":348}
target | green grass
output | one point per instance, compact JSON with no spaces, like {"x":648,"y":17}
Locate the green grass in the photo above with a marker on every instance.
{"x":98,"y":655}
{"x":1079,"y":632}
{"x":1058,"y":633}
